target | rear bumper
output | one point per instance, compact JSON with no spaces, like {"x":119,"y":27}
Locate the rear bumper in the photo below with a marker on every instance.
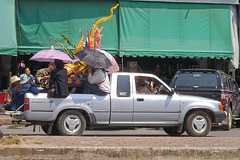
{"x":219,"y":116}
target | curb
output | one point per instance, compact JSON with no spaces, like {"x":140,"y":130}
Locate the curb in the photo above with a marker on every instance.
{"x":119,"y":153}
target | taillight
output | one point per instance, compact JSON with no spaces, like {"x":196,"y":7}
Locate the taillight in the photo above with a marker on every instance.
{"x":223,"y":99}
{"x":26,"y":104}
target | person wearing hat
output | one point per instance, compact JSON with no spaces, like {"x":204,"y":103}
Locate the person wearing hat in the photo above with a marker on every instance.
{"x":19,"y":91}
{"x":14,"y":81}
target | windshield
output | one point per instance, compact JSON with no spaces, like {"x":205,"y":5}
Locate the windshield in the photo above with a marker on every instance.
{"x":196,"y":80}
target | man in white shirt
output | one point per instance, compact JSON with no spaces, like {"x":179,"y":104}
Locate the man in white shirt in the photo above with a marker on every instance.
{"x":98,"y":83}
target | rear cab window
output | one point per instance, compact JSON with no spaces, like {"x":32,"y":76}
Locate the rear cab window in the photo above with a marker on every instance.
{"x":123,"y":86}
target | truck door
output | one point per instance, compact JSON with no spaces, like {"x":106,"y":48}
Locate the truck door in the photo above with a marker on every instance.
{"x":121,"y":101}
{"x":159,"y":106}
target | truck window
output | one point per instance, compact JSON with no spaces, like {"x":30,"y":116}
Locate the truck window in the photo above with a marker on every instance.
{"x":123,"y":86}
{"x":148,"y":85}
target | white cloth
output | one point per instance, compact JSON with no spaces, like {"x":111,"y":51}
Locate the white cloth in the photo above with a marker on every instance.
{"x":234,"y":35}
{"x":99,"y":76}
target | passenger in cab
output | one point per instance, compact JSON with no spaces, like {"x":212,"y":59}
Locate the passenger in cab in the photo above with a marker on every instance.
{"x":142,"y":87}
{"x":98,"y":82}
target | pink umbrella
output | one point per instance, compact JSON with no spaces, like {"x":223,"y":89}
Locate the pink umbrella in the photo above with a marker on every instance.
{"x":49,"y":55}
{"x":114,"y":67}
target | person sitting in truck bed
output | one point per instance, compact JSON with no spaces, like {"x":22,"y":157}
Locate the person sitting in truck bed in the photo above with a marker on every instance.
{"x":58,"y":82}
{"x":43,"y":76}
{"x":14,"y":81}
{"x":19,"y":91}
{"x":98,"y":82}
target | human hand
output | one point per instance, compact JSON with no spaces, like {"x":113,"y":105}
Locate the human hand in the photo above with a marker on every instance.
{"x":89,"y":70}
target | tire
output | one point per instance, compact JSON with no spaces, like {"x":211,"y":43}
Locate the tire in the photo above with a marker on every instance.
{"x":229,"y":121}
{"x":54,"y":130}
{"x":198,"y":124}
{"x":172,"y":131}
{"x":71,"y":123}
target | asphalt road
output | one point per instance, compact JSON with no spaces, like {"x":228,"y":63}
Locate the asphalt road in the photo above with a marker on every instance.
{"x":28,"y":131}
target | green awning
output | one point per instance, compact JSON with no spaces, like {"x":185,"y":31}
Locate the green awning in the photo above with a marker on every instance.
{"x":174,"y":30}
{"x":136,"y":29}
{"x":41,"y":20}
{"x":8,"y":42}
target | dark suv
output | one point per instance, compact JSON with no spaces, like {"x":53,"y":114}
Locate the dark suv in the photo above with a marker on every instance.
{"x":210,"y":83}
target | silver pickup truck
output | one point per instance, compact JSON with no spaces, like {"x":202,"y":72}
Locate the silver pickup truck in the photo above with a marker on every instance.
{"x":125,"y":107}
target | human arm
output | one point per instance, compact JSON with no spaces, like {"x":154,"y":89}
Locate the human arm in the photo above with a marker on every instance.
{"x":34,"y":90}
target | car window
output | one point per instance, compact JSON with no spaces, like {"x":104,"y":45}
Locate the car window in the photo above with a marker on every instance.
{"x":148,"y":85}
{"x":196,"y":80}
{"x":123,"y":86}
{"x":225,"y":85}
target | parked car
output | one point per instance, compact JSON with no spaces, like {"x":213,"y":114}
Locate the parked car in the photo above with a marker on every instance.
{"x":210,"y":83}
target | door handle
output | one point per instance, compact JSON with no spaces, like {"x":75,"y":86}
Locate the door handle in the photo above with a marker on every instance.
{"x":140,"y":99}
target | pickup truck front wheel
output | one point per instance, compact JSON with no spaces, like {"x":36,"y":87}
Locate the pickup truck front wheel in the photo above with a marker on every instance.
{"x":198,"y":124}
{"x":71,"y":123}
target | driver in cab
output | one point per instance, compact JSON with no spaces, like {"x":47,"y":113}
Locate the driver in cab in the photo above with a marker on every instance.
{"x":144,"y":88}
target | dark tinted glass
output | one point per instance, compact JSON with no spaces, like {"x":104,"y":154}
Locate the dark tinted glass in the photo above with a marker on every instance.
{"x":123,"y":86}
{"x":196,"y":80}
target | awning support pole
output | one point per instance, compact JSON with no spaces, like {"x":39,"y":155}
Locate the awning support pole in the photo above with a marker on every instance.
{"x":122,"y":62}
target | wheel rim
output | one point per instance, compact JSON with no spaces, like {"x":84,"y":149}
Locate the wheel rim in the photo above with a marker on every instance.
{"x":199,"y":124}
{"x":72,"y":123}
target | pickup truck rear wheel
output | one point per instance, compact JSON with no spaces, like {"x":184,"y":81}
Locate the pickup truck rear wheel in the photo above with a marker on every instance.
{"x":172,"y":131}
{"x":198,"y":124}
{"x":71,"y":123}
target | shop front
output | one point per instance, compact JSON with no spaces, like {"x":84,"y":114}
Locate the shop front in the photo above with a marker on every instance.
{"x":149,"y":35}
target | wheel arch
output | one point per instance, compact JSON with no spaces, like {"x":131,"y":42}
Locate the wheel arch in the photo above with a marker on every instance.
{"x":85,"y":114}
{"x":209,"y":112}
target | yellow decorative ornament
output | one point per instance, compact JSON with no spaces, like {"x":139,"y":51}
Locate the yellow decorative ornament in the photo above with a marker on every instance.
{"x":80,"y":45}
{"x":69,"y":80}
{"x":94,"y":30}
{"x":95,"y":26}
{"x":78,"y":81}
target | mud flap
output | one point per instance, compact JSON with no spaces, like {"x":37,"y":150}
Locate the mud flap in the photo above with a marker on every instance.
{"x":50,"y":128}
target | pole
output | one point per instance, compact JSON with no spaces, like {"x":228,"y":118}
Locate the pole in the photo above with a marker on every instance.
{"x":1,"y":134}
{"x":122,"y":63}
